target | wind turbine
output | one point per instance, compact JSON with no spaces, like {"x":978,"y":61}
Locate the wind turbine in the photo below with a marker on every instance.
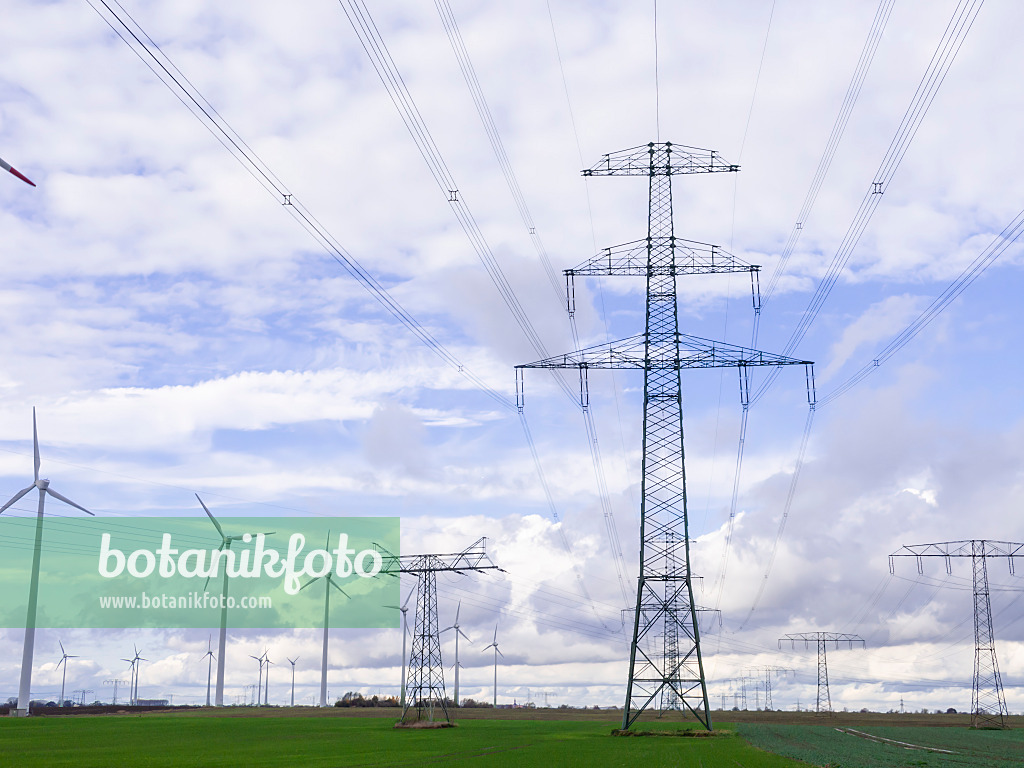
{"x":404,"y":608}
{"x":259,"y":685}
{"x":266,"y":681}
{"x":328,"y":583}
{"x":458,"y":632}
{"x":497,"y":653}
{"x":63,"y":660}
{"x":11,"y":169}
{"x":134,"y":664}
{"x":25,"y":685}
{"x":209,"y":667}
{"x":225,"y":543}
{"x":292,"y":662}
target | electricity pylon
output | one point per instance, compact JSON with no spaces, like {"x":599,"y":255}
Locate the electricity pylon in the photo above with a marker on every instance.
{"x":988,"y":706}
{"x":425,"y":683}
{"x":768,"y":672}
{"x":665,"y":649}
{"x":822,"y":639}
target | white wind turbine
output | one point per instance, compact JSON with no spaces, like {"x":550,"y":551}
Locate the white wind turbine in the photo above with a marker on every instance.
{"x":25,"y":685}
{"x":458,"y":632}
{"x":259,"y":685}
{"x":225,"y":543}
{"x":497,"y":653}
{"x":404,"y":608}
{"x":209,"y":668}
{"x":292,"y":662}
{"x":266,"y":679}
{"x":63,"y":660}
{"x":328,"y":583}
{"x":135,"y":665}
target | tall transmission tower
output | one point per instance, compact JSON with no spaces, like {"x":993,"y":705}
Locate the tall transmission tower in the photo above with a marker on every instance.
{"x":988,"y":705}
{"x":665,"y":648}
{"x":822,"y":639}
{"x":425,"y":681}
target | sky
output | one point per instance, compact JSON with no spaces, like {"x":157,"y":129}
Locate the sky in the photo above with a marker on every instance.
{"x":179,"y":332}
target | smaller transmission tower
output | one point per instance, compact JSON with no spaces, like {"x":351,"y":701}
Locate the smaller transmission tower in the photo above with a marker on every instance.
{"x":824,"y":703}
{"x":988,"y":706}
{"x":425,"y":686}
{"x":768,"y":672}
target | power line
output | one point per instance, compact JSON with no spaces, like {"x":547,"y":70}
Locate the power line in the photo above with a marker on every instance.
{"x":143,"y":46}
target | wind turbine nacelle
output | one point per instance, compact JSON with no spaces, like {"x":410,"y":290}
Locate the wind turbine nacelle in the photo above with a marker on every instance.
{"x":42,"y":484}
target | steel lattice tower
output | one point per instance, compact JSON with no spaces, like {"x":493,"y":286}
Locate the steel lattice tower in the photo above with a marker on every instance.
{"x":988,"y":705}
{"x":665,"y":662}
{"x":822,"y":639}
{"x":425,"y":683}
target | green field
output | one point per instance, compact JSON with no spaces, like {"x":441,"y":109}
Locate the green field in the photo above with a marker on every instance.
{"x":877,"y":747}
{"x":197,"y":740}
{"x":333,"y":737}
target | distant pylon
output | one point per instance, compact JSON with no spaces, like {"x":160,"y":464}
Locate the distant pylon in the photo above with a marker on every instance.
{"x":988,"y":705}
{"x":822,"y":639}
{"x":665,"y":663}
{"x":425,"y":686}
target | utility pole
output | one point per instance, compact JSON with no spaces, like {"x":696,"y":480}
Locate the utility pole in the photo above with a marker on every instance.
{"x":114,"y":683}
{"x":665,"y":648}
{"x":988,"y":705}
{"x":822,"y":639}
{"x":425,"y":687}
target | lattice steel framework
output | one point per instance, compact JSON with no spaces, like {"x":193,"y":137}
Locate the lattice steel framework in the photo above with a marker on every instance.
{"x":988,"y":705}
{"x":425,"y":680}
{"x":665,"y":661}
{"x":822,"y":639}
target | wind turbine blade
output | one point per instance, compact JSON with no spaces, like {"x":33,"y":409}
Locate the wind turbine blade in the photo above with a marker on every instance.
{"x":346,"y":594}
{"x":207,"y":582}
{"x":457,"y":609}
{"x":307,"y":583}
{"x":35,"y":441}
{"x":214,"y":519}
{"x":17,"y":496}
{"x":497,"y":651}
{"x":63,"y":652}
{"x":68,"y":501}
{"x":14,"y":171}
{"x":463,"y":634}
{"x":408,"y":598}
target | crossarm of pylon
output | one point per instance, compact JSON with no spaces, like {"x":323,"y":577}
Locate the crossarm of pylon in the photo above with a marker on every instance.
{"x":649,"y":160}
{"x":961,"y":549}
{"x":691,"y":258}
{"x":694,"y":352}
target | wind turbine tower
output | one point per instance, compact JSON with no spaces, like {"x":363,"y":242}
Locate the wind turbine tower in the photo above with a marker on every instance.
{"x":292,"y":662}
{"x":225,"y":546}
{"x":988,"y":705}
{"x":328,"y":584}
{"x":822,"y":639}
{"x":43,"y":485}
{"x":665,"y":648}
{"x":497,"y":653}
{"x":63,"y":660}
{"x":426,"y":670}
{"x":458,"y":632}
{"x":209,"y":668}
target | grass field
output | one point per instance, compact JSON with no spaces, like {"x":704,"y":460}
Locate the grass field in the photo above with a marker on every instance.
{"x":197,"y":740}
{"x":889,"y":746}
{"x":332,"y":737}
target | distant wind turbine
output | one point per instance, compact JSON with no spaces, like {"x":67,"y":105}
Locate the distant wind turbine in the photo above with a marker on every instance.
{"x":259,"y":685}
{"x":266,"y":680}
{"x":458,"y":632}
{"x":497,"y":653}
{"x":135,"y":666}
{"x":328,"y":583}
{"x":63,"y":660}
{"x":11,"y":169}
{"x":25,"y":686}
{"x":292,"y":662}
{"x":404,"y":608}
{"x":225,"y":543}
{"x":209,"y":667}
